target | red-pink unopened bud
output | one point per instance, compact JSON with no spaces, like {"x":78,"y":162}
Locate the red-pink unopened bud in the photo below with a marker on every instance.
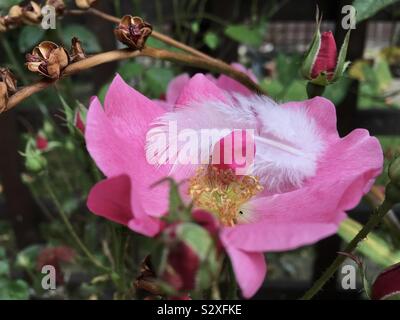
{"x":41,"y":143}
{"x":55,"y":256}
{"x":326,"y":59}
{"x":387,"y":284}
{"x":78,"y":122}
{"x":183,"y":264}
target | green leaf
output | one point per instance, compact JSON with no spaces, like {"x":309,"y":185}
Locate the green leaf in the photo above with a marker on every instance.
{"x":200,"y":241}
{"x":103,"y":91}
{"x":373,"y":246}
{"x":338,"y":90}
{"x":6,"y":4}
{"x":197,"y":238}
{"x":312,"y":51}
{"x":368,"y":8}
{"x":177,"y":210}
{"x":195,"y":27}
{"x":252,"y":36}
{"x":130,"y":70}
{"x":87,"y":37}
{"x":13,"y":290}
{"x":2,"y":253}
{"x":155,"y":43}
{"x":68,"y":112}
{"x":29,"y":37}
{"x":27,"y":258}
{"x":157,"y":79}
{"x":211,"y":40}
{"x":341,"y":64}
{"x":287,"y":67}
{"x":4,"y":268}
{"x":383,"y":75}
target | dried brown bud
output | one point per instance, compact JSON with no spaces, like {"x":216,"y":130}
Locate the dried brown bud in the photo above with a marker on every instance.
{"x":8,"y":86}
{"x":31,"y":13}
{"x":14,"y":17}
{"x":133,"y":32}
{"x":59,"y":5}
{"x":3,"y":97}
{"x":48,"y":59}
{"x":84,"y":4}
{"x":77,"y":52}
{"x":3,"y":26}
{"x":8,"y":78}
{"x":147,"y":279}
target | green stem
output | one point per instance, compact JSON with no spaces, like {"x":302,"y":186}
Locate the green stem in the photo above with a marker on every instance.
{"x":374,"y":220}
{"x":314,"y":90}
{"x":71,"y":230}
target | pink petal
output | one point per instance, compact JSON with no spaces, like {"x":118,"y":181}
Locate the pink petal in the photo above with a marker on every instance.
{"x":249,"y":267}
{"x":115,"y":139}
{"x":129,"y":111}
{"x":110,"y":152}
{"x":114,"y":200}
{"x":175,"y":87}
{"x":303,"y":216}
{"x":199,"y":88}
{"x":110,"y":199}
{"x":146,"y":225}
{"x":166,"y":106}
{"x":231,"y":85}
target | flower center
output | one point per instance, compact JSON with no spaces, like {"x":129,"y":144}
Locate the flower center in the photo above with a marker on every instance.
{"x":222,"y":192}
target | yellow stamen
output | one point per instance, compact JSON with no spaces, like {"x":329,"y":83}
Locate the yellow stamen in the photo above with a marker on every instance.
{"x":222,"y":192}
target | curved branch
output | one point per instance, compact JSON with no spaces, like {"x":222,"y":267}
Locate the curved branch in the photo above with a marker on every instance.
{"x":157,"y":35}
{"x":121,"y":54}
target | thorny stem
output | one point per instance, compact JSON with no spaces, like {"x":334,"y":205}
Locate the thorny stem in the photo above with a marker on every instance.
{"x":121,"y":54}
{"x":374,"y":220}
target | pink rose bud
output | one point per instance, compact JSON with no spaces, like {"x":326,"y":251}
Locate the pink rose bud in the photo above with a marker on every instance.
{"x":55,"y":256}
{"x":327,"y":56}
{"x":182,"y":276}
{"x":387,"y":284}
{"x":323,"y":64}
{"x":41,"y":143}
{"x":78,"y":122}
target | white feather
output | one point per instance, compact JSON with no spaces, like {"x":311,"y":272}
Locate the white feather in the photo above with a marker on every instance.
{"x":288,"y":145}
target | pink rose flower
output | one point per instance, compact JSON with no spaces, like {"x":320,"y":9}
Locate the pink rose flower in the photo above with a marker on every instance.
{"x":303,"y":180}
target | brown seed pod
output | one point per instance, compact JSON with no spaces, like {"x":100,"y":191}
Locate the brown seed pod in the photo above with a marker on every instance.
{"x":84,"y":4}
{"x":133,"y":31}
{"x":48,"y":59}
{"x":77,"y":52}
{"x":31,"y":13}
